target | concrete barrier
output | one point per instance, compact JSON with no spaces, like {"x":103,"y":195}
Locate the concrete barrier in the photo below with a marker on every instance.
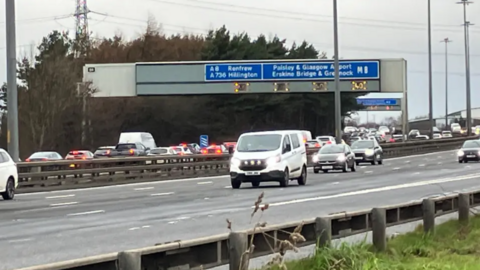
{"x":65,"y":174}
{"x":209,"y":252}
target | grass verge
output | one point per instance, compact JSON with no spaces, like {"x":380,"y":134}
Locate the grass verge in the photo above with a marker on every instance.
{"x":453,"y":246}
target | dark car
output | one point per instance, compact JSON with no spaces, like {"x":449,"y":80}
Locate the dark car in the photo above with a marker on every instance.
{"x":104,"y":152}
{"x":367,"y":151}
{"x":470,"y":151}
{"x":334,"y":157}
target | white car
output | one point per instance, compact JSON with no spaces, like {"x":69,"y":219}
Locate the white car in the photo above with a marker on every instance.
{"x":8,"y":176}
{"x":447,"y":134}
{"x":269,"y":156}
{"x":326,"y":140}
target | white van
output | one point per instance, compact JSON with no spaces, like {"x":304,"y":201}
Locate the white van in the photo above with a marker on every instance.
{"x":144,"y":138}
{"x":269,"y":156}
{"x":306,"y":136}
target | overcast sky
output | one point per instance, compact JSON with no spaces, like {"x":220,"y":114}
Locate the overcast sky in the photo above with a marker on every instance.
{"x":368,"y":29}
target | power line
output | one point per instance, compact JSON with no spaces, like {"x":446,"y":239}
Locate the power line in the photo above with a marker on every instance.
{"x":42,"y":19}
{"x":318,"y":44}
{"x":287,"y":15}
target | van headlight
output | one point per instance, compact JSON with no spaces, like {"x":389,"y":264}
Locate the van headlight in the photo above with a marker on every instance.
{"x":460,"y":153}
{"x":341,"y":158}
{"x":273,"y":160}
{"x":235,"y":162}
{"x":315,"y":158}
{"x":369,"y":152}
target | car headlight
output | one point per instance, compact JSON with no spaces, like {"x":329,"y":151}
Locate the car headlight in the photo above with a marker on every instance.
{"x":315,"y":158}
{"x":460,"y":153}
{"x":369,"y":152}
{"x":341,"y":158}
{"x":273,"y":160}
{"x":235,"y":162}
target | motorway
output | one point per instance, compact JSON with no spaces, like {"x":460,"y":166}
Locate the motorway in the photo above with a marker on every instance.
{"x":40,"y":228}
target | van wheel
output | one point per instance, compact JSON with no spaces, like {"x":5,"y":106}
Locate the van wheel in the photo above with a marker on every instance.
{"x":9,"y":190}
{"x":255,"y":184}
{"x":302,"y":180}
{"x":236,"y":184}
{"x":316,"y":171}
{"x":286,"y":179}
{"x":325,"y":171}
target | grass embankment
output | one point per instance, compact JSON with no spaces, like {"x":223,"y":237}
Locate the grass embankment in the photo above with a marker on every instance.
{"x":453,"y":246}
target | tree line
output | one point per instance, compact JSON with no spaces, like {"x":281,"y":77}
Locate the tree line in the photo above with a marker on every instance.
{"x":52,"y":115}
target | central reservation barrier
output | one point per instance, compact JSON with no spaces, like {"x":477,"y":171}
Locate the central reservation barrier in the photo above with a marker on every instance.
{"x":71,"y":174}
{"x":228,"y":248}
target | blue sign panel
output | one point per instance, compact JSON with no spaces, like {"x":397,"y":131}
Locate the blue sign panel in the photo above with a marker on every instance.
{"x":292,"y":71}
{"x":377,"y":101}
{"x":203,"y":141}
{"x":233,"y":72}
{"x":321,"y":70}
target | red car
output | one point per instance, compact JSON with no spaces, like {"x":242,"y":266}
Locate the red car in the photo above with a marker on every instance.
{"x":215,"y":149}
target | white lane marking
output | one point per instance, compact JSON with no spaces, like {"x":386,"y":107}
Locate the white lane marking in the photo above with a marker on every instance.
{"x":335,"y":183}
{"x":62,"y":204}
{"x":439,"y":163}
{"x":192,"y":179}
{"x":20,"y":240}
{"x":396,"y":168}
{"x":415,"y":173}
{"x":363,"y":167}
{"x":421,"y":165}
{"x":162,"y":194}
{"x":206,"y":198}
{"x":60,"y":196}
{"x":228,"y":186}
{"x":146,"y":226}
{"x":173,"y":222}
{"x":369,"y":172}
{"x":440,"y":156}
{"x":145,"y":188}
{"x":408,"y":161}
{"x":182,"y":218}
{"x":204,"y":183}
{"x":134,"y":229}
{"x":87,"y":213}
{"x":381,"y":189}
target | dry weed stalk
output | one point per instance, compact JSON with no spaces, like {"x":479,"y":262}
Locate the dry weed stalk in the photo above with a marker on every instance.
{"x":277,"y":260}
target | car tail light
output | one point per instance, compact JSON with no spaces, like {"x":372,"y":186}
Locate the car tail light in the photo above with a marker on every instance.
{"x":131,"y":152}
{"x":219,"y":151}
{"x":317,"y":145}
{"x":44,"y":159}
{"x":84,"y":157}
{"x":329,"y":142}
{"x":72,"y":165}
{"x":304,"y":141}
{"x":27,"y":160}
{"x":108,"y":152}
{"x":204,"y":151}
{"x":74,"y":152}
{"x":392,"y":140}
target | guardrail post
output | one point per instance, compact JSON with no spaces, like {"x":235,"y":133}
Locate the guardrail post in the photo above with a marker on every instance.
{"x":463,"y":207}
{"x":379,"y":229}
{"x":238,"y":245}
{"x":428,"y":208}
{"x":129,"y":260}
{"x":323,"y":231}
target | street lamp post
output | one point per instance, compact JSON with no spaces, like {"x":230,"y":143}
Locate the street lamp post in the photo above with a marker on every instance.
{"x":466,"y":25}
{"x":338,"y":102}
{"x":430,"y":81}
{"x":446,"y":41}
{"x":12,"y":95}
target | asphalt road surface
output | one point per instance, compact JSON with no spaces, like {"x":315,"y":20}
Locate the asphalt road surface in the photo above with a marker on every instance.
{"x":40,"y":228}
